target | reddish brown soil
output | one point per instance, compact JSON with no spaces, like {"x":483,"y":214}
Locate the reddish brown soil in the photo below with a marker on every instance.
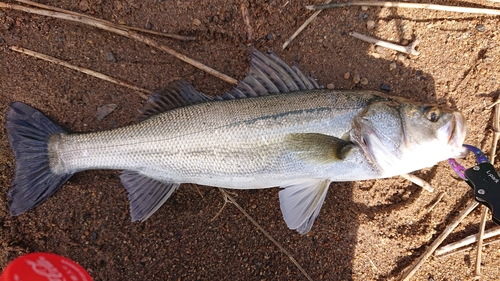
{"x":368,"y":230}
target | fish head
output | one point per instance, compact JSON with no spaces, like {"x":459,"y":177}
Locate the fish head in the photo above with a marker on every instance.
{"x":400,"y":136}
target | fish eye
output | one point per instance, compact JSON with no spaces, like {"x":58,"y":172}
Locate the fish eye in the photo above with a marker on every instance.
{"x":432,"y":114}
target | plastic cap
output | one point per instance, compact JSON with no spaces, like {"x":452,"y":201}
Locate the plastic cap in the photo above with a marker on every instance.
{"x":44,"y":267}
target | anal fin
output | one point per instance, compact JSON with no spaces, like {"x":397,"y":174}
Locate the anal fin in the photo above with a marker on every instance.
{"x":146,"y":195}
{"x":301,"y":201}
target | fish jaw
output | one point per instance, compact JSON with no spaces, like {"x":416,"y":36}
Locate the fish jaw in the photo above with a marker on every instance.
{"x":453,"y":133}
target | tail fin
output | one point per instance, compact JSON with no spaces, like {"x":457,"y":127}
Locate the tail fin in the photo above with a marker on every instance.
{"x":28,"y":132}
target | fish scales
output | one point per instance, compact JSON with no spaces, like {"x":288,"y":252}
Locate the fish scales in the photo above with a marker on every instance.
{"x":242,"y":137}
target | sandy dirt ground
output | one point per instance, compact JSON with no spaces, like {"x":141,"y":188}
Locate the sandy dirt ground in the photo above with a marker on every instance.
{"x":368,"y":230}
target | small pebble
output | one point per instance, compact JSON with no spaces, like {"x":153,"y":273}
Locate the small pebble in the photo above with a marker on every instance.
{"x":84,"y":5}
{"x":105,"y":110}
{"x":380,"y":49}
{"x":401,"y":57}
{"x":385,"y":87}
{"x":330,"y":86}
{"x":148,"y":25}
{"x":347,"y":75}
{"x":364,"y":8}
{"x":365,"y":16}
{"x":269,"y":36}
{"x":196,"y":22}
{"x":2,"y":41}
{"x":392,"y":66}
{"x":364,"y":81}
{"x":370,"y":24}
{"x":45,"y":29}
{"x":481,"y":28}
{"x":405,"y":42}
{"x":376,"y":55}
{"x":110,"y":57}
{"x":356,"y":79}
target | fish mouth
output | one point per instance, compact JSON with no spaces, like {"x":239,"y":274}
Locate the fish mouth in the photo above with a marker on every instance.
{"x":454,"y":132}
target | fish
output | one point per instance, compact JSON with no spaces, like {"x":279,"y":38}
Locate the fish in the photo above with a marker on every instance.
{"x":276,"y":128}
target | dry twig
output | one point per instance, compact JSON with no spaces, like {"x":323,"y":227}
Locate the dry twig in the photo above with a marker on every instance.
{"x":480,"y":241}
{"x":302,"y":27}
{"x":81,"y":69}
{"x":231,"y":200}
{"x":466,"y":241}
{"x":410,"y":271}
{"x":246,"y":20}
{"x":436,"y":202}
{"x":407,"y":5}
{"x":119,"y":26}
{"x":128,"y":34}
{"x":418,"y":181}
{"x":410,"y":49}
{"x":470,"y":247}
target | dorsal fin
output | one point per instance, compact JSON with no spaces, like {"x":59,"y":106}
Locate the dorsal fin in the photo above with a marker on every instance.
{"x":270,"y":75}
{"x":176,"y":94}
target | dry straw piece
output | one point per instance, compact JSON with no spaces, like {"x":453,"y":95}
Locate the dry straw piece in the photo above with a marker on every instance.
{"x":407,"y":5}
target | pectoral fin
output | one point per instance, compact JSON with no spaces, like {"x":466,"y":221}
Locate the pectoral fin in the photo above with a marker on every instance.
{"x":146,"y":195}
{"x":301,"y":202}
{"x":318,"y":147}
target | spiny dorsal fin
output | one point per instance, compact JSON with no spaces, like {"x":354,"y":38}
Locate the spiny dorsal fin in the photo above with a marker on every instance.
{"x":270,"y":75}
{"x":176,"y":94}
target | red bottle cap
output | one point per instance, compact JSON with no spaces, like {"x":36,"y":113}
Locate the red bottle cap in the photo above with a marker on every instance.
{"x":44,"y":267}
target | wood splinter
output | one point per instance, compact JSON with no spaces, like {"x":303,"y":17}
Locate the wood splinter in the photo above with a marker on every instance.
{"x":410,"y":49}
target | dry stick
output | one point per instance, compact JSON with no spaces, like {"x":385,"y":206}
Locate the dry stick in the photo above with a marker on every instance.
{"x":246,"y":20}
{"x":81,"y":69}
{"x":408,"y":5}
{"x":302,"y":27}
{"x":466,"y":241}
{"x":437,"y":201}
{"x":128,"y":34}
{"x":480,"y":241}
{"x":120,"y":26}
{"x":413,"y":268}
{"x":232,"y":200}
{"x":182,"y":57}
{"x":418,"y":181}
{"x":470,"y":247}
{"x":410,"y":49}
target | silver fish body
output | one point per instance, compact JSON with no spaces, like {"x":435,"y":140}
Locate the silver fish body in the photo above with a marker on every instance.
{"x":301,"y":140}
